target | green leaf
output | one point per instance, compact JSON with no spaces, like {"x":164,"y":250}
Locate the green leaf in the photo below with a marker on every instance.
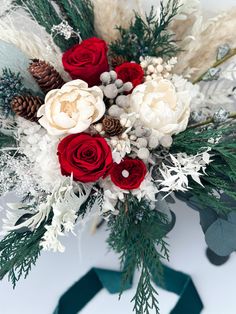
{"x":7,"y":141}
{"x":221,"y":236}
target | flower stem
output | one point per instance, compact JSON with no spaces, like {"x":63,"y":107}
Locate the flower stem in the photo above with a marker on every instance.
{"x":209,"y":121}
{"x":216,"y":64}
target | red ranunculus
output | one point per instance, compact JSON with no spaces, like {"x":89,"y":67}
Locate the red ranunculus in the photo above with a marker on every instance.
{"x":130,"y":72}
{"x":87,"y":61}
{"x":87,"y":157}
{"x":129,"y":174}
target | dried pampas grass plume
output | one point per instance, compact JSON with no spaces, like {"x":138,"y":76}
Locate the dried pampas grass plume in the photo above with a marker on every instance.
{"x":109,"y":14}
{"x":39,"y":46}
{"x":200,"y":53}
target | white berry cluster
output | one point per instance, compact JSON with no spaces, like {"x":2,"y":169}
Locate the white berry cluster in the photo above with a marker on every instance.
{"x":136,"y":140}
{"x":112,"y":86}
{"x":143,"y":141}
{"x":155,"y":68}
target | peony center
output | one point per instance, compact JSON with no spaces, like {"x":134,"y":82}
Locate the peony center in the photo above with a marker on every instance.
{"x":69,"y":108}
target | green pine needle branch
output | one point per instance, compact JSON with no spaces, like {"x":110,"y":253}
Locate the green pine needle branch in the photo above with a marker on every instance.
{"x":80,"y":15}
{"x":220,"y":175}
{"x":77,"y":12}
{"x":149,"y":36}
{"x":137,"y":234}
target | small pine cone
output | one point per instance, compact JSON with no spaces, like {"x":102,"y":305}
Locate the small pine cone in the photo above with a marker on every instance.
{"x":26,"y":106}
{"x":112,"y":126}
{"x":45,"y":75}
{"x":117,"y":60}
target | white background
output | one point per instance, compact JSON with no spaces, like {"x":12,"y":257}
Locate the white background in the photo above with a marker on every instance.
{"x":54,"y":273}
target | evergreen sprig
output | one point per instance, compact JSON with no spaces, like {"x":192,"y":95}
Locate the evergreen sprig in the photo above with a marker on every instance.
{"x":145,"y":298}
{"x":77,"y":12}
{"x":80,"y":15}
{"x":19,"y":251}
{"x":11,"y":85}
{"x":149,"y":36}
{"x":220,"y":175}
{"x":135,"y":234}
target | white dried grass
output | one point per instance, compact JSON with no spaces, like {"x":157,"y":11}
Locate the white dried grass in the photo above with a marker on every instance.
{"x":109,"y":14}
{"x":206,"y":37}
{"x":17,"y":28}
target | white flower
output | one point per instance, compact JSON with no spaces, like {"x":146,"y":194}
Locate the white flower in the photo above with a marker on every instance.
{"x":71,"y":109}
{"x":113,"y":194}
{"x":120,"y":147}
{"x":161,"y":107}
{"x":146,"y":190}
{"x":41,"y":149}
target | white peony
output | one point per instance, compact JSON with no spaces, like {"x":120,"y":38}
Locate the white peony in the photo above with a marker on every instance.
{"x":71,"y":109}
{"x":161,"y":107}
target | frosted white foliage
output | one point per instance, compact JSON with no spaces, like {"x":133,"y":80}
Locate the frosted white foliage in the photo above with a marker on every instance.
{"x":217,"y":94}
{"x":32,"y":223}
{"x":66,"y":201}
{"x":120,"y":147}
{"x":182,"y":166}
{"x":41,"y":149}
{"x":146,"y":190}
{"x":113,"y":193}
{"x":194,"y":92}
{"x":229,"y":70}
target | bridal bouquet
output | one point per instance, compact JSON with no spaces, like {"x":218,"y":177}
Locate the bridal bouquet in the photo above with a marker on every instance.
{"x":114,"y":125}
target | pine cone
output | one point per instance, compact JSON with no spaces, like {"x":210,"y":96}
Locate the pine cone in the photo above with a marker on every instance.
{"x":45,"y":75}
{"x":112,"y":126}
{"x":26,"y":106}
{"x":117,"y":60}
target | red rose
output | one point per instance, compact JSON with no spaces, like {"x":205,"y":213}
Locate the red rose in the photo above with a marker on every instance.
{"x":87,"y":61}
{"x":130,"y":72}
{"x":87,"y":157}
{"x":129,"y":174}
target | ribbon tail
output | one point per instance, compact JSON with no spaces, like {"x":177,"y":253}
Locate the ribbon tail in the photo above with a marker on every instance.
{"x":83,"y":291}
{"x":181,"y":284}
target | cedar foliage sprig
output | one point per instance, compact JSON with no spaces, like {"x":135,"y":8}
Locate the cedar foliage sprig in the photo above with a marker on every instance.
{"x":19,"y":251}
{"x":221,"y":173}
{"x":149,"y":36}
{"x":135,"y":234}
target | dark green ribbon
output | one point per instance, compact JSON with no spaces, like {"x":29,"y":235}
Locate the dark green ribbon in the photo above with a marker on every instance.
{"x":75,"y":299}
